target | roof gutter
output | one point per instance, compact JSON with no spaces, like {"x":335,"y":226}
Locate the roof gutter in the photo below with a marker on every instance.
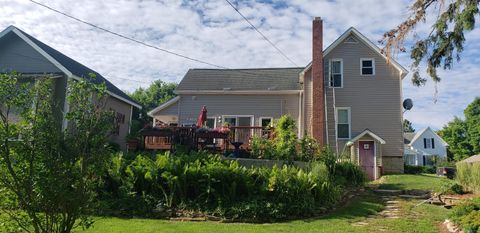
{"x":238,"y":92}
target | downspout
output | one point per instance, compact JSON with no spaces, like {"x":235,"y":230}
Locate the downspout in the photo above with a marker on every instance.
{"x":66,"y":107}
{"x":326,"y":115}
{"x":179,"y":110}
{"x":300,"y":114}
{"x":336,"y":133}
{"x":130,"y":122}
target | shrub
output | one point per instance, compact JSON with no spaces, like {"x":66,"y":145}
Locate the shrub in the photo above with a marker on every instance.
{"x":468,"y":175}
{"x":206,"y":183}
{"x":286,"y":138}
{"x":467,"y":214}
{"x":263,"y":148}
{"x":349,"y":174}
{"x":309,"y":149}
{"x":409,"y":169}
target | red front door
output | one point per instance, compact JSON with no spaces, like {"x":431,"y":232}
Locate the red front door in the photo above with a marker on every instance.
{"x":367,"y":158}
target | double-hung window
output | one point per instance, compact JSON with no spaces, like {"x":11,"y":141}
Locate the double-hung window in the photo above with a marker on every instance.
{"x":343,"y":123}
{"x":367,"y":66}
{"x":428,"y":143}
{"x":336,"y":73}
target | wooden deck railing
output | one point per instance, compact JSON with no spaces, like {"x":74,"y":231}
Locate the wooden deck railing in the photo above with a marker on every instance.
{"x":165,"y":138}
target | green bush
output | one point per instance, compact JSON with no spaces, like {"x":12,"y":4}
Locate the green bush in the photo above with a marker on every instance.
{"x":467,"y":214}
{"x":409,"y":169}
{"x":150,"y":185}
{"x":468,"y":175}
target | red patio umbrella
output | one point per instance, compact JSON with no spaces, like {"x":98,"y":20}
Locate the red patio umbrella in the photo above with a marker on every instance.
{"x":202,"y":117}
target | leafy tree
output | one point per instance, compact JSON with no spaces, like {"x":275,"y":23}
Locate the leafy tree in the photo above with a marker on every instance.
{"x":153,"y":96}
{"x":463,"y":136}
{"x":472,"y":119}
{"x":407,"y":126}
{"x":455,"y":134}
{"x":445,"y":42}
{"x":47,"y":173}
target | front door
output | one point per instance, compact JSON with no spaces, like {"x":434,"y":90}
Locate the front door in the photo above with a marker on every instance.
{"x":366,"y":152}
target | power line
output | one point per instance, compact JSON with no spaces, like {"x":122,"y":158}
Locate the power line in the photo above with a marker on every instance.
{"x":259,"y":32}
{"x":128,"y":38}
{"x":146,"y":44}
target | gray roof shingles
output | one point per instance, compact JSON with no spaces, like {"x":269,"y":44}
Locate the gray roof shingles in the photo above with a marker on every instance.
{"x":78,"y":69}
{"x":241,"y":79}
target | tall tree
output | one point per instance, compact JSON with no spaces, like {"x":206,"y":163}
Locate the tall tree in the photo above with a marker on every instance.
{"x":463,"y":136}
{"x":445,"y":42}
{"x":407,"y":126}
{"x":455,"y":134}
{"x":156,"y":94}
{"x":49,"y":175}
{"x":472,"y":119}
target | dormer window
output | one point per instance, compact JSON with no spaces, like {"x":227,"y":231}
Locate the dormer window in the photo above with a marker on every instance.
{"x":367,"y":66}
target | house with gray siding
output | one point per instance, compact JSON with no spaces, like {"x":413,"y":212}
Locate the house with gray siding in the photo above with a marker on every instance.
{"x":22,"y":53}
{"x":349,"y":98}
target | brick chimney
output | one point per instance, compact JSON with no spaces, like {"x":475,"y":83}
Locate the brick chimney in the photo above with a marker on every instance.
{"x":318,"y":83}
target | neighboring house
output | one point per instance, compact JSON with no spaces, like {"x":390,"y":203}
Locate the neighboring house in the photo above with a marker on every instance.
{"x":30,"y":57}
{"x":472,"y":159}
{"x":420,"y":147}
{"x":348,"y":97}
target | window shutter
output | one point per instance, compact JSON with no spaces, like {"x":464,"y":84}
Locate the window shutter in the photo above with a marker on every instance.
{"x":433,"y":144}
{"x":424,"y":143}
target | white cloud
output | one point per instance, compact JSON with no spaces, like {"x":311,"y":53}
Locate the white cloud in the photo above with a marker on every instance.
{"x":214,"y":32}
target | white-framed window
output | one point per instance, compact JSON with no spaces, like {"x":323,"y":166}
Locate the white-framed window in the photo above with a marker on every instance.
{"x":265,"y":121}
{"x":336,"y":73}
{"x":367,"y":66}
{"x":211,"y":122}
{"x":342,"y":115}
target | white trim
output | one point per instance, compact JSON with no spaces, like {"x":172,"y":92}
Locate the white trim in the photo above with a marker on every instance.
{"x":38,"y":49}
{"x":163,"y":106}
{"x":124,"y":100}
{"x":66,"y":106}
{"x":263,"y":117}
{"x":349,"y":122}
{"x":330,"y":72}
{"x":130,"y":120}
{"x":421,"y":132}
{"x":227,"y":92}
{"x":214,"y":121}
{"x":371,"y":134}
{"x":373,"y":66}
{"x":352,"y":30}
{"x":55,"y":62}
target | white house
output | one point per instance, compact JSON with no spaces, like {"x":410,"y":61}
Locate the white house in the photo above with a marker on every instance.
{"x":422,"y":145}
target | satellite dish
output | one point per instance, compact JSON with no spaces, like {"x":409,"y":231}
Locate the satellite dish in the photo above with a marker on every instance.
{"x":407,"y":104}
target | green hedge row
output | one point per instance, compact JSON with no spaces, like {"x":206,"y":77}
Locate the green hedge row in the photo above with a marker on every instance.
{"x":200,"y":183}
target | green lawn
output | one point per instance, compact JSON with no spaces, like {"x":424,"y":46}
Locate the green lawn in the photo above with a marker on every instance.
{"x":423,"y":218}
{"x":406,"y":182}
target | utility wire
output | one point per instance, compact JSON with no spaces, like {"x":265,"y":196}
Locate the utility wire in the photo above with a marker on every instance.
{"x":128,"y":38}
{"x":149,"y":45}
{"x":259,"y":32}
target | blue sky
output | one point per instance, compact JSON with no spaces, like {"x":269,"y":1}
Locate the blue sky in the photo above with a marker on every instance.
{"x":214,"y":32}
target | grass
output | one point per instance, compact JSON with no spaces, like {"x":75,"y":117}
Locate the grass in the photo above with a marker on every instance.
{"x":413,"y":218}
{"x":341,"y":220}
{"x":407,"y":182}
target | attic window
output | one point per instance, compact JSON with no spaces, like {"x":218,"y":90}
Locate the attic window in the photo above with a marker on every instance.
{"x":367,"y":66}
{"x":351,"y":40}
